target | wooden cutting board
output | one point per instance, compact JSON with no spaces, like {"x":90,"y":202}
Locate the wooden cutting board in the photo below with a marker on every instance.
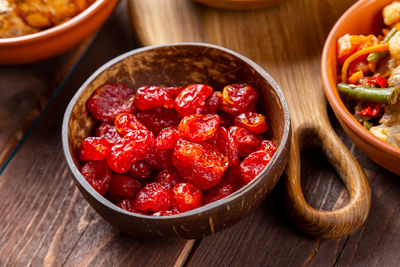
{"x":286,"y":40}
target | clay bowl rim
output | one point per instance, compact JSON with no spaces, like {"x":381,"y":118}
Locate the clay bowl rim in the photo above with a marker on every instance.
{"x":93,"y":193}
{"x":55,"y":30}
{"x":330,"y":81}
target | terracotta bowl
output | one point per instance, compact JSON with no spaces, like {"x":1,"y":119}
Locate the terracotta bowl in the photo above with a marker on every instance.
{"x":55,"y":40}
{"x":240,"y":4}
{"x":364,"y":17}
{"x":179,"y":64}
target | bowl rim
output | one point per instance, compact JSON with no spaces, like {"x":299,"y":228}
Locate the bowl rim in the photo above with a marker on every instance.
{"x":82,"y":181}
{"x":331,"y":91}
{"x":58,"y":29}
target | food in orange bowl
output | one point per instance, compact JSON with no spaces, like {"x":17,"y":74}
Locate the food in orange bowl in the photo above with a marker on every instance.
{"x":355,"y":67}
{"x":31,"y":33}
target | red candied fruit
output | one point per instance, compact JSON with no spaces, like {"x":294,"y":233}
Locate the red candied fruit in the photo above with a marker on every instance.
{"x":199,"y":164}
{"x":108,"y":132}
{"x":130,"y":149}
{"x":218,"y":192}
{"x":238,"y":97}
{"x":186,"y":197}
{"x":148,"y":97}
{"x":109,"y":100}
{"x":167,"y":178}
{"x":224,"y":143}
{"x":246,"y":140}
{"x":153,"y":198}
{"x":158,"y":118}
{"x":159,"y":159}
{"x":199,"y":127}
{"x":192,"y":99}
{"x":213,"y":103}
{"x":174,"y":91}
{"x":168,"y":137}
{"x":253,"y":165}
{"x":97,"y":174}
{"x":166,"y":213}
{"x":127,"y":204}
{"x":140,"y":170}
{"x":122,"y":187}
{"x":234,"y":177}
{"x":125,"y":123}
{"x":252,"y":121}
{"x":94,"y":148}
{"x":269,"y":147}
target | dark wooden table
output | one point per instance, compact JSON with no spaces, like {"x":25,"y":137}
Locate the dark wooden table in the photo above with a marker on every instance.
{"x":45,"y":220}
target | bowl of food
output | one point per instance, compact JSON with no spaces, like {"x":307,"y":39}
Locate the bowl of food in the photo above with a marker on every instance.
{"x":35,"y":30}
{"x":360,"y":75}
{"x":198,"y":135}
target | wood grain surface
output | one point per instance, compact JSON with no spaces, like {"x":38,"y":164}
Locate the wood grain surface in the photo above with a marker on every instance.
{"x":25,"y":90}
{"x":44,"y":219}
{"x":270,"y":40}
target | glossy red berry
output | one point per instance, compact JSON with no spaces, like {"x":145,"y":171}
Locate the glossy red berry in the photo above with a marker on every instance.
{"x":213,"y":103}
{"x":234,"y":177}
{"x":199,"y":163}
{"x":127,"y":204}
{"x":192,"y":99}
{"x":109,"y":132}
{"x":247,"y":141}
{"x":238,"y":97}
{"x":109,"y":100}
{"x":159,"y":159}
{"x":269,"y":147}
{"x":166,"y":213}
{"x":157,"y":119}
{"x":97,"y":174}
{"x":167,"y":178}
{"x":186,"y":197}
{"x":153,"y":198}
{"x":255,"y":122}
{"x":168,"y":137}
{"x":199,"y":127}
{"x":218,"y":192}
{"x":94,"y":148}
{"x":140,"y":170}
{"x":174,"y":91}
{"x":148,"y":97}
{"x":122,"y":187}
{"x":130,"y":149}
{"x":125,"y":123}
{"x":253,"y":165}
{"x":224,"y":143}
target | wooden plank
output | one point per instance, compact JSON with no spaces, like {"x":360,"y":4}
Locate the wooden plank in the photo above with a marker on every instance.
{"x":25,"y":90}
{"x":268,"y":238}
{"x":293,"y":35}
{"x":45,"y":220}
{"x":377,"y":243}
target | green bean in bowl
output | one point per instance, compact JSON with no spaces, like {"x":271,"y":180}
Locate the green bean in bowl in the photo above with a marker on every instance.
{"x":370,"y":76}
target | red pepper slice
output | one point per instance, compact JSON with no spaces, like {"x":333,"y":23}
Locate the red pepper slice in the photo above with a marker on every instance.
{"x":371,"y":110}
{"x":378,"y":80}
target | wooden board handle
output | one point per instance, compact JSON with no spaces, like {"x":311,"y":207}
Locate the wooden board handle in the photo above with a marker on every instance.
{"x":335,"y":223}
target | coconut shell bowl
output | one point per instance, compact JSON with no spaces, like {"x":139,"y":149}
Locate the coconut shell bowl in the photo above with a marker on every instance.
{"x":172,"y":65}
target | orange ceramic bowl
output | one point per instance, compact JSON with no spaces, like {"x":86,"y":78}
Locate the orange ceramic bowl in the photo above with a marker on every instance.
{"x":364,"y":17}
{"x":55,"y":40}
